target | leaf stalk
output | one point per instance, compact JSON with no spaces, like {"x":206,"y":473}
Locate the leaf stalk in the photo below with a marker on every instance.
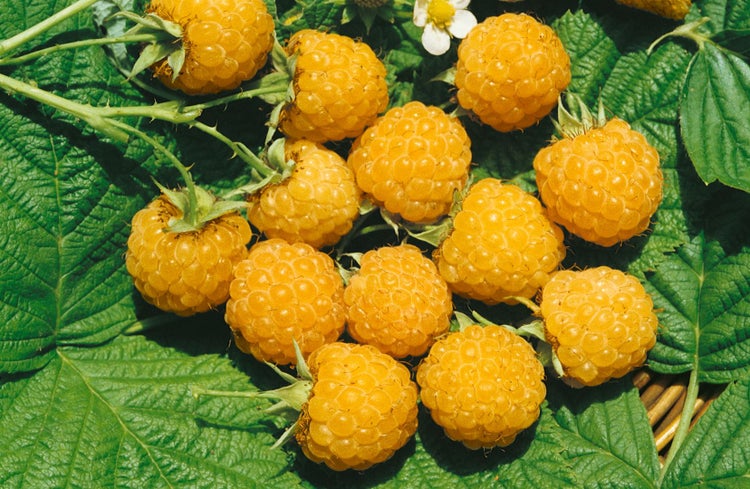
{"x":686,"y":418}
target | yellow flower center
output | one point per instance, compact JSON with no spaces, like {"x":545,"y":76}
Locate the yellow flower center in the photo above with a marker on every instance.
{"x":440,"y":13}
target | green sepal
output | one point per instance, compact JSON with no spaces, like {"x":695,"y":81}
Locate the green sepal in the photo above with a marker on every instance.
{"x":347,"y":273}
{"x":276,"y":157}
{"x":464,"y":320}
{"x":151,"y":24}
{"x":207,"y":208}
{"x":279,"y":88}
{"x":549,"y":359}
{"x":151,"y":54}
{"x":255,"y":186}
{"x":448,"y":76}
{"x":278,"y":82}
{"x":176,"y":60}
{"x":170,"y":46}
{"x":574,"y":117}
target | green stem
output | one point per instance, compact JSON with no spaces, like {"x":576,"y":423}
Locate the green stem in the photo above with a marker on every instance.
{"x":85,"y":112}
{"x":131,"y":38}
{"x":103,"y":119}
{"x":245,"y":94}
{"x":358,"y":229}
{"x":686,"y":418}
{"x":172,"y":111}
{"x":191,"y":214}
{"x":21,"y":38}
{"x":238,"y":149}
{"x":117,"y":130}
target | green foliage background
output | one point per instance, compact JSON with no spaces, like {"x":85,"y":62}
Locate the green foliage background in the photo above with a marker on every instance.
{"x":84,"y":403}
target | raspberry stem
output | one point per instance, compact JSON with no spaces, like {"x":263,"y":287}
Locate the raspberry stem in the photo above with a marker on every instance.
{"x":103,"y":119}
{"x":136,"y":38}
{"x":25,"y":36}
{"x":687,"y":31}
{"x":85,"y":112}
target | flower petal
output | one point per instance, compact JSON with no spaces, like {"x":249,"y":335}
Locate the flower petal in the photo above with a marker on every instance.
{"x":420,"y":12}
{"x":463,"y":22}
{"x":435,"y":41}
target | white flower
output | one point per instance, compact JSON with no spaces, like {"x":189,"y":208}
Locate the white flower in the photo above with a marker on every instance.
{"x":441,"y":20}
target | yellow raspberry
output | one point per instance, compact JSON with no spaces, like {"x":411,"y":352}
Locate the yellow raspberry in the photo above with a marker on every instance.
{"x":282,"y":293}
{"x":184,"y":272}
{"x":362,"y":408}
{"x":482,"y":385}
{"x":600,"y":323}
{"x":511,"y":70}
{"x":671,"y":9}
{"x":397,"y":301}
{"x":225,"y":42}
{"x":502,"y":245}
{"x":412,"y":160}
{"x":603,"y":184}
{"x":317,"y":204}
{"x":339,"y":87}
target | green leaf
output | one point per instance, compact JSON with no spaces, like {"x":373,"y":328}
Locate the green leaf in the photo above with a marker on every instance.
{"x":713,"y":118}
{"x":722,"y":14}
{"x":311,"y":14}
{"x":64,"y":223}
{"x":716,"y":453}
{"x":592,"y":52}
{"x":121,"y":415}
{"x":702,"y":293}
{"x":606,"y":438}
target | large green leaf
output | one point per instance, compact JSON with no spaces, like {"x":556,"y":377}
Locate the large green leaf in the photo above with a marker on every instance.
{"x":722,"y":14}
{"x":67,"y":201}
{"x":593,"y":53}
{"x":703,"y":298}
{"x":713,"y":118}
{"x":606,"y":436}
{"x":121,"y":415}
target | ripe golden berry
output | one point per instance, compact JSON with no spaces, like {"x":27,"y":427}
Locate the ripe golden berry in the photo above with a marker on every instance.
{"x":317,"y":204}
{"x":226,"y":42}
{"x":502,"y":245}
{"x":671,"y":9}
{"x":511,"y":70}
{"x":186,"y":272}
{"x":397,"y":301}
{"x":603,"y":185}
{"x":482,"y":385}
{"x":362,"y":408}
{"x":600,"y":322}
{"x":339,"y":87}
{"x":282,"y":293}
{"x":412,"y":160}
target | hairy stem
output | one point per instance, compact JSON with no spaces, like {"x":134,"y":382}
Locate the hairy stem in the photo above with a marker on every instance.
{"x":131,"y":38}
{"x":82,"y":111}
{"x":238,"y":149}
{"x":249,"y":93}
{"x":23,"y":37}
{"x":191,"y":214}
